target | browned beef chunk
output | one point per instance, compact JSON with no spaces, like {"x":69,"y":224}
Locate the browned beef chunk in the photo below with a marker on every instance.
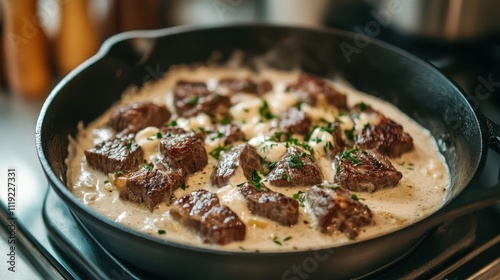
{"x":245,"y":85}
{"x":387,"y":137}
{"x":295,"y":168}
{"x":243,"y":156}
{"x":149,"y":187}
{"x":338,"y":143}
{"x":183,"y":149}
{"x":365,"y":170}
{"x":201,"y":212}
{"x":193,"y":98}
{"x":337,"y":210}
{"x":172,"y":131}
{"x":295,"y":121}
{"x":228,"y":133}
{"x":269,"y":204}
{"x":310,"y":88}
{"x":221,"y":226}
{"x":119,"y":153}
{"x":136,"y":116}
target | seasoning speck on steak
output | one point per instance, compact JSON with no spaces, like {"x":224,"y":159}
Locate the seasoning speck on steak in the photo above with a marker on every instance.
{"x":184,"y":149}
{"x":201,"y":212}
{"x":149,"y":187}
{"x":191,"y":98}
{"x":337,"y":210}
{"x":310,"y":88}
{"x":115,"y":154}
{"x":365,"y":170}
{"x":243,"y":156}
{"x":269,"y":204}
{"x":136,"y":116}
{"x":295,"y":168}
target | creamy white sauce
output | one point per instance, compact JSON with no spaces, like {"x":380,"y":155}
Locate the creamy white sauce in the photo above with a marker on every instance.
{"x":421,"y":191}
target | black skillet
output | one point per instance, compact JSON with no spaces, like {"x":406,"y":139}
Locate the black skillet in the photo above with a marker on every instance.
{"x":371,"y":66}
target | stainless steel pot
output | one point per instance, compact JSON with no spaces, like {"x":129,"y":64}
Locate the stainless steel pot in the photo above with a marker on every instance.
{"x":445,"y":20}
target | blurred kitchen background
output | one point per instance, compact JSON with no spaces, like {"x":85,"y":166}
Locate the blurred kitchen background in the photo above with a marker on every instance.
{"x":42,"y":40}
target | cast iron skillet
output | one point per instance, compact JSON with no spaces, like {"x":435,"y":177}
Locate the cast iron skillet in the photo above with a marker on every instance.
{"x":379,"y":69}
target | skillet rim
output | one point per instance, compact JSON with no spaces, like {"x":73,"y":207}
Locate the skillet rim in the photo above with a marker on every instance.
{"x":70,"y":199}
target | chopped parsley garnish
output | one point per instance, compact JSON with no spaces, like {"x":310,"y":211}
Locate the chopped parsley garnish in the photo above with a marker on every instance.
{"x":328,"y":146}
{"x":317,"y":140}
{"x":294,"y":161}
{"x":184,"y":186}
{"x":233,"y":165}
{"x":246,"y":110}
{"x":276,"y":240}
{"x":362,"y":106}
{"x":168,"y":134}
{"x":349,"y":133}
{"x":147,"y":166}
{"x":157,"y":136}
{"x":172,"y":123}
{"x":106,"y":181}
{"x":128,"y":144}
{"x":161,"y":231}
{"x":264,"y":111}
{"x":226,"y":120}
{"x":328,"y":128}
{"x":193,"y":100}
{"x":285,"y":176}
{"x":215,"y":153}
{"x":334,"y":187}
{"x":218,"y":134}
{"x":272,"y":164}
{"x":300,"y":196}
{"x":121,"y":172}
{"x":348,"y":155}
{"x":255,"y":181}
{"x":354,"y":196}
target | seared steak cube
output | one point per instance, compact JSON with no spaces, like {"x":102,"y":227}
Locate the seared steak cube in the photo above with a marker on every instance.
{"x":295,"y":168}
{"x":193,"y":98}
{"x":295,"y":121}
{"x":201,"y":212}
{"x":184,"y":150}
{"x":386,"y":136}
{"x":365,"y":170}
{"x":221,"y":226}
{"x":310,"y":88}
{"x":136,"y":116}
{"x":337,"y":210}
{"x":269,"y":204}
{"x":116,"y":154}
{"x":243,"y":156}
{"x":149,"y":187}
{"x":232,"y":86}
